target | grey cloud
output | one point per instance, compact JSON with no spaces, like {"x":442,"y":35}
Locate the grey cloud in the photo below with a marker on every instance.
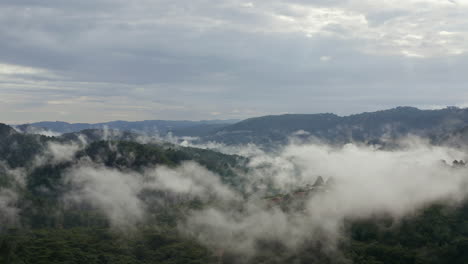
{"x":195,"y":53}
{"x":8,"y":209}
{"x":9,"y":195}
{"x":368,"y":182}
{"x":399,"y":182}
{"x":376,"y":18}
{"x":118,"y":193}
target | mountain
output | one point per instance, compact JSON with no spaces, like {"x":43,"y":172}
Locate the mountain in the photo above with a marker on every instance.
{"x":85,"y":207}
{"x":6,"y":130}
{"x":150,"y":126}
{"x":17,"y":149}
{"x":332,"y":128}
{"x":456,"y":138}
{"x":39,"y":224}
{"x":273,"y":130}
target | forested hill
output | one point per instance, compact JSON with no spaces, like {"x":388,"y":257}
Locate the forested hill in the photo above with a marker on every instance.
{"x":150,"y":126}
{"x":66,"y":201}
{"x":271,"y":130}
{"x":362,"y":127}
{"x":19,"y":150}
{"x":42,"y":222}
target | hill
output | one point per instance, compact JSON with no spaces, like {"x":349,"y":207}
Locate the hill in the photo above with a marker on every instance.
{"x":273,"y":130}
{"x":150,"y":126}
{"x":63,"y":200}
{"x":331,"y":128}
{"x":42,"y":222}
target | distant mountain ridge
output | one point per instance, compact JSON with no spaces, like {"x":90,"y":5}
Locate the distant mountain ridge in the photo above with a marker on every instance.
{"x":150,"y":126}
{"x":278,"y":129}
{"x":364,"y":127}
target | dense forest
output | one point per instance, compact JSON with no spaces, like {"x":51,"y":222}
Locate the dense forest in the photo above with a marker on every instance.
{"x":39,"y":225}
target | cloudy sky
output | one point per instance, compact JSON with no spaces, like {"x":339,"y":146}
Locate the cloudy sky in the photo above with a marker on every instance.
{"x":101,"y":60}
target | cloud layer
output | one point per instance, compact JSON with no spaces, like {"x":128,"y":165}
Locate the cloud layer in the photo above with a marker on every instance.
{"x":367,"y":182}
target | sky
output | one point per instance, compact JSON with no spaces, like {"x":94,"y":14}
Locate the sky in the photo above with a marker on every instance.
{"x":102,"y":60}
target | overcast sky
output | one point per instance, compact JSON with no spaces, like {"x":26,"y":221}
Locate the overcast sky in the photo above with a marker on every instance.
{"x":101,"y":60}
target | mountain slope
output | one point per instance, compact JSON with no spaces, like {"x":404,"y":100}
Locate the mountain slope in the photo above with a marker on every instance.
{"x":48,"y":227}
{"x":161,"y":126}
{"x":362,"y":127}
